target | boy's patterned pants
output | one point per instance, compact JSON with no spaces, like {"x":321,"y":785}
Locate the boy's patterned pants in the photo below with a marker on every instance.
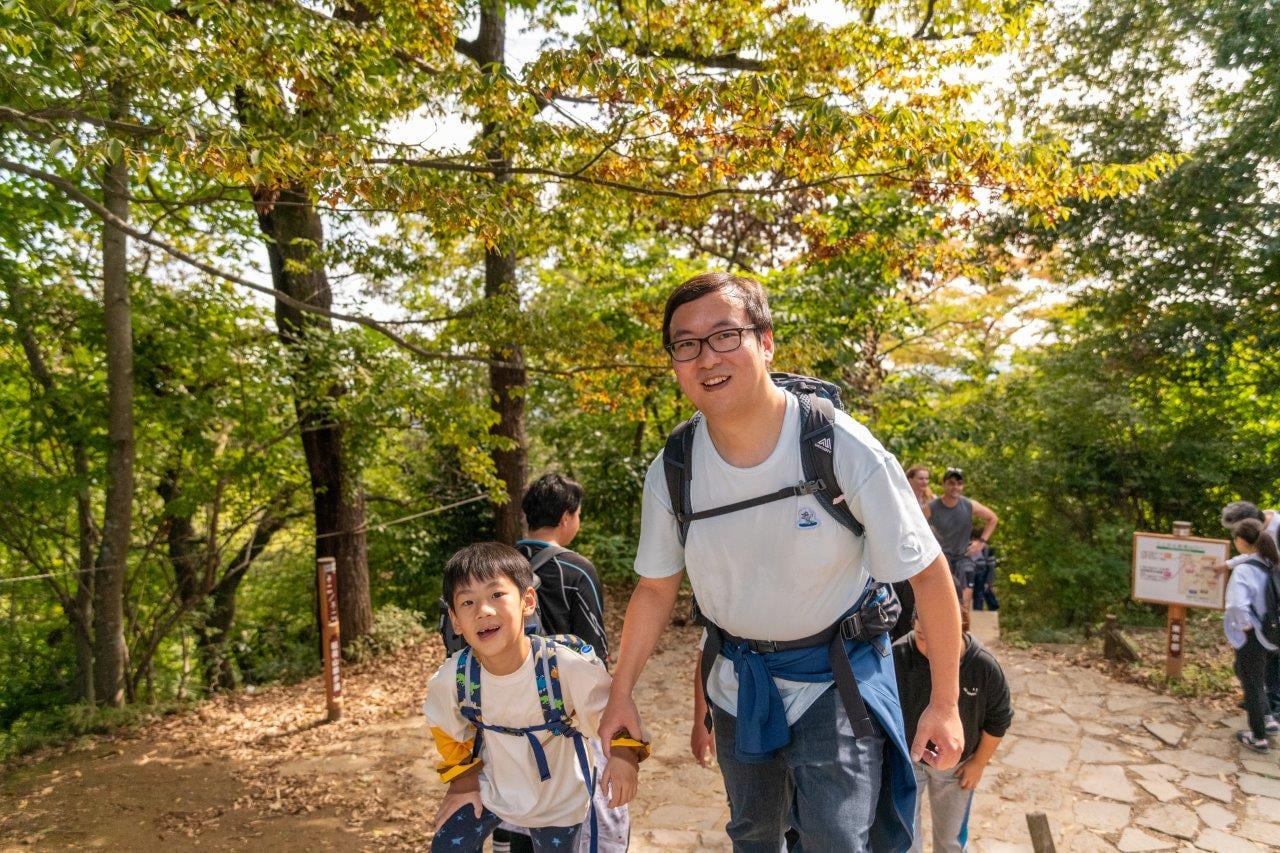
{"x":463,"y":832}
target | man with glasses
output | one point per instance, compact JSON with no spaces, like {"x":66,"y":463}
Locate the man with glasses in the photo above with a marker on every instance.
{"x":772,"y":574}
{"x":952,"y":517}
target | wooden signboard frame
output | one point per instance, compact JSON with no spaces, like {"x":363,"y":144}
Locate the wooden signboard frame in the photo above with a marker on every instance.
{"x":1176,"y":619}
{"x":1221,"y":549}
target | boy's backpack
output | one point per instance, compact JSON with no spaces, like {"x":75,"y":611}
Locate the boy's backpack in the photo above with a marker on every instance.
{"x":555,"y":720}
{"x":454,"y":642}
{"x":818,"y":402}
{"x":1269,"y":619}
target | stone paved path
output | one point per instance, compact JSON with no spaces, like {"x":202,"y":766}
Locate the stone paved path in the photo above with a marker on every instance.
{"x":1115,"y":767}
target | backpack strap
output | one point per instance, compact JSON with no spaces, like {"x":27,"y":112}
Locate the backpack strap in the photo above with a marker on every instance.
{"x":818,"y":460}
{"x":546,"y":555}
{"x":677,"y":464}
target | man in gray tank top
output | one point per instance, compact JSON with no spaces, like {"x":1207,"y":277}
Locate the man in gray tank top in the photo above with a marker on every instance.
{"x":952,"y":517}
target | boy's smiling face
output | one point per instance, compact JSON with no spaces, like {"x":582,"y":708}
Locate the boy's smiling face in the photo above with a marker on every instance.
{"x":490,"y":615}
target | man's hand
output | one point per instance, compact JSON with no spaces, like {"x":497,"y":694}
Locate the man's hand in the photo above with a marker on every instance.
{"x":702,"y":742}
{"x":970,"y":774}
{"x":621,"y":776}
{"x":974,"y":549}
{"x":942,"y":726}
{"x":455,"y":800}
{"x":621,"y":713}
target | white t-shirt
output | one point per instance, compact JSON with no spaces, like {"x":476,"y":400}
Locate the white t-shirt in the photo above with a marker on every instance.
{"x":509,"y":782}
{"x":786,"y":569}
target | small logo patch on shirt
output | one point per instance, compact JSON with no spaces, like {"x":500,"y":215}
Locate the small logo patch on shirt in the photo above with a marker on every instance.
{"x":970,"y":691}
{"x":806,"y":518}
{"x":909,"y":548}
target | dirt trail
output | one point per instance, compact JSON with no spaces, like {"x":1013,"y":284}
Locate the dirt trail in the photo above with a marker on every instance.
{"x":1114,"y":765}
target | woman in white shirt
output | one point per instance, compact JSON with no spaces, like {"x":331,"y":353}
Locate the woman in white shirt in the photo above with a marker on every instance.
{"x":1241,"y":622}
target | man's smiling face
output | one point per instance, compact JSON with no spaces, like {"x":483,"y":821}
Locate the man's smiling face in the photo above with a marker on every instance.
{"x":719,"y":382}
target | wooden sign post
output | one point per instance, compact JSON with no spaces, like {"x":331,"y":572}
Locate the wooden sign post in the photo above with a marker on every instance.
{"x":1177,"y":570}
{"x":1176,"y":620}
{"x":330,"y":637}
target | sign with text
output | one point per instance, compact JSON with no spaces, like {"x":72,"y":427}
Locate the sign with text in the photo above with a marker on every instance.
{"x":1179,"y":570}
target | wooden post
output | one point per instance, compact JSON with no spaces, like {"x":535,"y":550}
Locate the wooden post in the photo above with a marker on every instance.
{"x":1177,"y":622}
{"x":330,"y":637}
{"x":1041,"y":837}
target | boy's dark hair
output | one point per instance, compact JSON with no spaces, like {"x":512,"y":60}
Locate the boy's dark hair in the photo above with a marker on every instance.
{"x":752,"y":294}
{"x":483,"y":562}
{"x":1237,"y":511}
{"x":953,"y":474}
{"x":548,"y":498}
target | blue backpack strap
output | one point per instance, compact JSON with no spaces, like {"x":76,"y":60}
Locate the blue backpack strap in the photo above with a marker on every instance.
{"x":467,"y":677}
{"x":557,"y":721}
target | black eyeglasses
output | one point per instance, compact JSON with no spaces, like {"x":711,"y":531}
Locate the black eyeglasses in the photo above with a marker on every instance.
{"x":725,"y":340}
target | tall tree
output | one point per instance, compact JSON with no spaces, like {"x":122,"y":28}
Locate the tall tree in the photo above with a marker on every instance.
{"x":110,"y":651}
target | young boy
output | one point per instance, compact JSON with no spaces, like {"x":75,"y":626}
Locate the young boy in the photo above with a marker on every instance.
{"x":520,"y":771}
{"x":986,"y":714}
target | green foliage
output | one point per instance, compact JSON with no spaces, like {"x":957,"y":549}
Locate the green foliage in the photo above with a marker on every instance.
{"x":393,"y":628}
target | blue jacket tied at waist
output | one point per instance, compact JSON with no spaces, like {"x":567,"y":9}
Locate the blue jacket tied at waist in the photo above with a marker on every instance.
{"x":762,"y":727}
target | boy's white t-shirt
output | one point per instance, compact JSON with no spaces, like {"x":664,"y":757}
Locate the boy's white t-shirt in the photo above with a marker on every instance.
{"x":786,"y":569}
{"x":509,"y":783}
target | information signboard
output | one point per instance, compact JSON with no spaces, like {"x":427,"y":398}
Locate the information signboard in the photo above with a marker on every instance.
{"x":1178,"y":570}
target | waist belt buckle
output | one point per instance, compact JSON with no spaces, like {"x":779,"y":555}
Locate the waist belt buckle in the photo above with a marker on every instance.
{"x":763,"y":647}
{"x":851,"y":628}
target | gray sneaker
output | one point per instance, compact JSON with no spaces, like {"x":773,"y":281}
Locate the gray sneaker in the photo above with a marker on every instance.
{"x":1257,"y":744}
{"x":1272,"y":725}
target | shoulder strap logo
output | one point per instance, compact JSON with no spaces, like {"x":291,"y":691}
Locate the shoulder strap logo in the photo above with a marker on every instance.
{"x":824,"y":444}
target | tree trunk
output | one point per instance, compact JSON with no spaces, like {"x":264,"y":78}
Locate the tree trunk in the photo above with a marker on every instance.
{"x":108,"y":605}
{"x":508,"y":382}
{"x":295,"y":239}
{"x":212,"y":634}
{"x":82,"y":616}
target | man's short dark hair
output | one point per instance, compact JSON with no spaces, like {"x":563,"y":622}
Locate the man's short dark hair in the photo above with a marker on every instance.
{"x":1237,"y":511}
{"x":548,"y":498}
{"x":750,"y":291}
{"x":484,"y":562}
{"x":953,"y":474}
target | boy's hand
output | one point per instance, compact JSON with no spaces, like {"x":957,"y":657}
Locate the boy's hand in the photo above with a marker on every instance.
{"x":621,"y":775}
{"x":969,"y":774}
{"x":463,"y":791}
{"x":702,"y":742}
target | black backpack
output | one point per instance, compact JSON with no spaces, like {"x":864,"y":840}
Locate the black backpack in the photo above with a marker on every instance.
{"x":1270,"y":617}
{"x":818,"y":401}
{"x":453,"y":641}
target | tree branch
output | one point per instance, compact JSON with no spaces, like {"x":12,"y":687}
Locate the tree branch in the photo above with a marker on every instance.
{"x":638,"y":189}
{"x":79,"y":196}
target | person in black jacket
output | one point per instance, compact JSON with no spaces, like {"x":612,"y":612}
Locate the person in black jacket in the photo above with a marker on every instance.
{"x":570,"y":595}
{"x":985,"y":712}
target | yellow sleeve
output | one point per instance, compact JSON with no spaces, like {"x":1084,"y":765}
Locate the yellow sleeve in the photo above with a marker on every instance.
{"x":455,"y":755}
{"x":454,"y":736}
{"x":642,"y":748}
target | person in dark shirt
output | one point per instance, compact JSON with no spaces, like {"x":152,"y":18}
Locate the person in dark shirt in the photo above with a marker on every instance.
{"x":570,"y":596}
{"x":985,"y":712}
